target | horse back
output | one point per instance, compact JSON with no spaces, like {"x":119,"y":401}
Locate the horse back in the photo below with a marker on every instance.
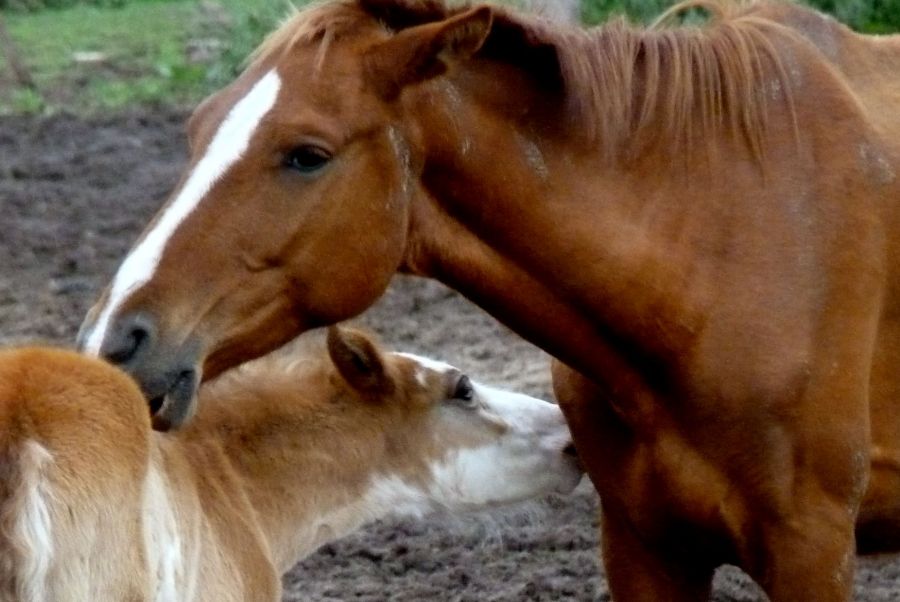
{"x":868,"y":65}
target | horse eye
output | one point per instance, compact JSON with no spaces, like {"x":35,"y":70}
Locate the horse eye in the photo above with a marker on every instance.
{"x":464,"y":390}
{"x":306,"y":159}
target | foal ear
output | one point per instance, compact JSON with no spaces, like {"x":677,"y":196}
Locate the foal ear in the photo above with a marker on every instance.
{"x":358,"y":360}
{"x":426,"y":51}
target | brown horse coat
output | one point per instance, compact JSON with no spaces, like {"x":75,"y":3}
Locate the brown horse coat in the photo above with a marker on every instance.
{"x":700,"y":223}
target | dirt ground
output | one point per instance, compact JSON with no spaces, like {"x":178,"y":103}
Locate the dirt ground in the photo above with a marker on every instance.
{"x":73,"y":196}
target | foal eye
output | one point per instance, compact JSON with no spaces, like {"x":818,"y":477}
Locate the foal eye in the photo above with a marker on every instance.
{"x":306,"y":159}
{"x":464,"y":390}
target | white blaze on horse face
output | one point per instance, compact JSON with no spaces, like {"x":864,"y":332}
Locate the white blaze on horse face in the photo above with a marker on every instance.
{"x":230,"y":142}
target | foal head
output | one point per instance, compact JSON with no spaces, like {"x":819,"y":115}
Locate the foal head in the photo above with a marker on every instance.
{"x":467,"y":445}
{"x":294,"y":209}
{"x":360,"y":433}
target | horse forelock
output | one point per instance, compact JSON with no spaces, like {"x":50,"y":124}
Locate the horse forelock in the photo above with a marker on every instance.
{"x":319,"y":22}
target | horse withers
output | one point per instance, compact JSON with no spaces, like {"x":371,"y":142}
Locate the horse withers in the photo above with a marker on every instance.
{"x":702,"y":223}
{"x":287,"y":453}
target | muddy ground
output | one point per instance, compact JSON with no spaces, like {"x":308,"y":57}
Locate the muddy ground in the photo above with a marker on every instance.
{"x":74,"y":193}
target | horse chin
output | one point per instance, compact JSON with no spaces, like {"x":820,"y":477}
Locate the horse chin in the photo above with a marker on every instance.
{"x":171,"y":410}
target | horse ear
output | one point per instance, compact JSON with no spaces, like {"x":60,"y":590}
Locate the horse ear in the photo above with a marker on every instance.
{"x":358,"y":360}
{"x":426,"y":51}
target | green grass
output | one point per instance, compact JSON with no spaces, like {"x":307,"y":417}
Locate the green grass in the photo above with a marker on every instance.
{"x":138,"y":41}
{"x":145,"y":45}
{"x":871,"y":16}
{"x":639,"y":11}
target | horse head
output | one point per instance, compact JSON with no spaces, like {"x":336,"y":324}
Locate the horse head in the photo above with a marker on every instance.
{"x":293,"y":211}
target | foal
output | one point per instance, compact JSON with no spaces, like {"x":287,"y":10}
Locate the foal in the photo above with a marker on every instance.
{"x":288,"y":452}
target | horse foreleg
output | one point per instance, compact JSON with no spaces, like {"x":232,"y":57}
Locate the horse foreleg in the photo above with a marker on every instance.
{"x":798,"y":539}
{"x":637,"y":571}
{"x":809,"y":555}
{"x":640,"y":566}
{"x":778,"y":501}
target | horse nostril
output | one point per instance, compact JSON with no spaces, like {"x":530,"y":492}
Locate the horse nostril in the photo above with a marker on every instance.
{"x":570,"y":450}
{"x":127,"y":340}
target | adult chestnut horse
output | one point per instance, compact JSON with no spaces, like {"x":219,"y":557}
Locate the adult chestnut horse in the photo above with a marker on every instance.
{"x":700,"y":223}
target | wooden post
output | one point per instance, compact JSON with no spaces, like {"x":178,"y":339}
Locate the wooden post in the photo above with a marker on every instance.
{"x":14,"y":59}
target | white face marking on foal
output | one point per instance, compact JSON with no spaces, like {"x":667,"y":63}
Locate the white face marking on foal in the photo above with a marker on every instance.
{"x":526,"y":457}
{"x":425,"y":364}
{"x":525,"y":460}
{"x":231,"y":140}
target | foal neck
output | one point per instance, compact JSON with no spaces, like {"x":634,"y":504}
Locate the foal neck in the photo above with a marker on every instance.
{"x":306,"y":456}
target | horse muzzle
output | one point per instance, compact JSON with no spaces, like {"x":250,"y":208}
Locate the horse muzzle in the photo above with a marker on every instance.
{"x":168,"y":374}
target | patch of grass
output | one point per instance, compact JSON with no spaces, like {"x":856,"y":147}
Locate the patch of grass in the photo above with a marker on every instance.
{"x":872,"y":16}
{"x":101,"y":55}
{"x":48,"y":39}
{"x":35,"y":5}
{"x":639,"y":11}
{"x":76,"y":54}
{"x":89,"y":57}
{"x":26,"y":102}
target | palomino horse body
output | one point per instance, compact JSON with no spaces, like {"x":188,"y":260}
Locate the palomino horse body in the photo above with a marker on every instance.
{"x":289,"y":452}
{"x":699,"y":223}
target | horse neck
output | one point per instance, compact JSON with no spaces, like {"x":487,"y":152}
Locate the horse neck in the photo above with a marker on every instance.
{"x":306,"y":485}
{"x":565,"y":247}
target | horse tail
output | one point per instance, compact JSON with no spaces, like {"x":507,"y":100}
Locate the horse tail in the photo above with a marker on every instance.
{"x":26,"y":530}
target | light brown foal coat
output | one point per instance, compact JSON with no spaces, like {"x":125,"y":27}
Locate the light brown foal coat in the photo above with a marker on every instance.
{"x":288,"y":453}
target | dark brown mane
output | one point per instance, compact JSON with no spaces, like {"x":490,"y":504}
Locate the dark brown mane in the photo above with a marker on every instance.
{"x":624,"y":86}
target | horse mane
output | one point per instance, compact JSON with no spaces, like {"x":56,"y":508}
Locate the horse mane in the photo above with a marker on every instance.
{"x":624,"y":86}
{"x":317,"y":21}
